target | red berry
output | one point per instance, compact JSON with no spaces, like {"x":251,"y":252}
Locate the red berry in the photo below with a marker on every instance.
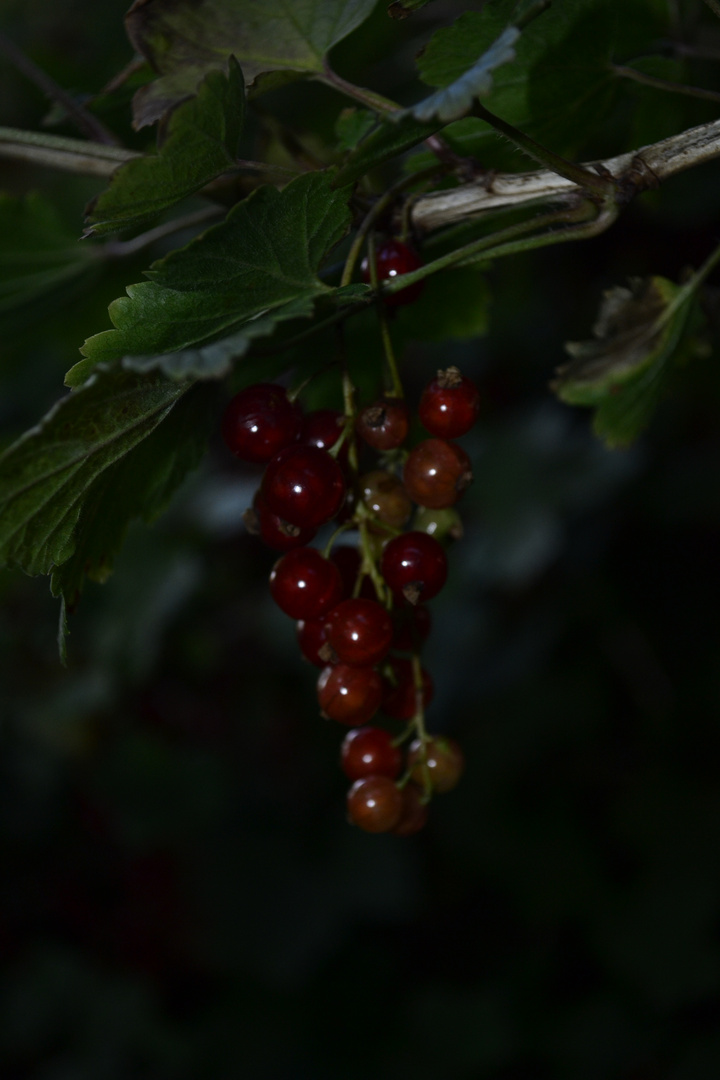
{"x":272,"y":530}
{"x":445,"y":763}
{"x":323,"y":428}
{"x":304,"y":485}
{"x":450,"y":404}
{"x":369,"y":751}
{"x":414,"y":813}
{"x":360,"y":631}
{"x":384,"y":424}
{"x":350,"y":695}
{"x":412,"y":626}
{"x":414,"y":565}
{"x":437,"y":473}
{"x":374,"y":804}
{"x":393,"y":258}
{"x":400,"y":701}
{"x":312,"y":636}
{"x":305,"y":585}
{"x":259,"y":422}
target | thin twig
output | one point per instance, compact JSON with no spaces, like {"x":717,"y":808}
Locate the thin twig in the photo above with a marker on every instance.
{"x":84,"y":120}
{"x":121,"y":249}
{"x":59,"y":152}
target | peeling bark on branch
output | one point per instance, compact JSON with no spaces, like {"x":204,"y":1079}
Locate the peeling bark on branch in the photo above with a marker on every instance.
{"x":635,"y":172}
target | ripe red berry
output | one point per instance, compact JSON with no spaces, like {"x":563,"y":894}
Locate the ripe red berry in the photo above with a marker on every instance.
{"x":303,"y":485}
{"x":305,"y":585}
{"x":412,"y":626}
{"x":384,"y":424}
{"x":437,"y":473}
{"x":259,"y":422}
{"x":360,"y":632}
{"x":414,"y":565}
{"x":445,"y":763}
{"x":393,"y":258}
{"x":369,"y":751}
{"x":375,"y":804}
{"x":350,"y":695}
{"x":450,"y":404}
{"x":414,"y":813}
{"x":323,"y":428}
{"x":400,"y":701}
{"x":278,"y":534}
{"x":312,"y":636}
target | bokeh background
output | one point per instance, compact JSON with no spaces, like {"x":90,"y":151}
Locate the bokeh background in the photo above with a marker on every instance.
{"x":180,"y":895}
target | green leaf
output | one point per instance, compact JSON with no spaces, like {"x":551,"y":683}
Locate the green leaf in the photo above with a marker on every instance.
{"x":41,"y":261}
{"x":70,"y":485}
{"x":390,"y":138}
{"x":622,"y":370}
{"x":215,"y":361}
{"x":265,"y":254}
{"x":140,"y":485}
{"x":183,"y":39}
{"x":202,"y":141}
{"x":561,"y":85}
{"x":453,"y":101}
{"x":353,"y":125}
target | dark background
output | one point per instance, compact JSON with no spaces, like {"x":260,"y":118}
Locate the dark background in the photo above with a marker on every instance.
{"x":180,"y":895}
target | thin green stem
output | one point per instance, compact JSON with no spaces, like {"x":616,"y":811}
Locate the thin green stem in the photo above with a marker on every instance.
{"x":665,"y":84}
{"x":59,"y":152}
{"x":121,"y":249}
{"x":375,"y":211}
{"x":366,"y":97}
{"x":338,"y":532}
{"x":392,"y":375}
{"x":601,"y":186}
{"x":685,"y":293}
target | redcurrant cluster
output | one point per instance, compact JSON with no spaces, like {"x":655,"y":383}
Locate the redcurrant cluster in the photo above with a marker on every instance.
{"x":361,"y":610}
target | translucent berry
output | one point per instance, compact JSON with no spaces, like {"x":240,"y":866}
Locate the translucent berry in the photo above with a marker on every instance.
{"x":350,"y":695}
{"x":437,"y":473}
{"x":305,"y":585}
{"x":277,"y":534}
{"x":393,"y":258}
{"x":414,"y":565}
{"x":259,"y":422}
{"x":303,"y":485}
{"x":400,"y":700}
{"x":323,"y":428}
{"x":445,"y":763}
{"x":445,"y":525}
{"x":374,"y":804}
{"x":385,"y":496}
{"x":450,"y":404}
{"x":384,"y":425}
{"x":369,"y":751}
{"x":414,"y":812}
{"x":312,"y":639}
{"x":359,"y":631}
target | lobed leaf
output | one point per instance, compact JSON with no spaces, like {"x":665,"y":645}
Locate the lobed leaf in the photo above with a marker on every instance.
{"x":80,"y":475}
{"x":183,"y":39}
{"x":265,"y":254}
{"x":202,"y":141}
{"x":621,"y":371}
{"x":455,"y":100}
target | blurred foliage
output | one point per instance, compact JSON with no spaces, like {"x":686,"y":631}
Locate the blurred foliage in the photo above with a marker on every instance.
{"x":181,"y":897}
